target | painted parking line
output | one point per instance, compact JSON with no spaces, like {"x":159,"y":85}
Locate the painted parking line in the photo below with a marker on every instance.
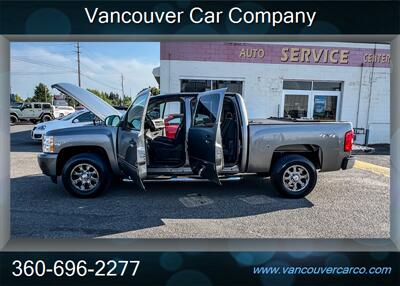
{"x":372,"y":168}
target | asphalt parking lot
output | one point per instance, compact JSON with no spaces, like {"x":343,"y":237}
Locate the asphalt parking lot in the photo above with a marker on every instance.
{"x":344,"y":204}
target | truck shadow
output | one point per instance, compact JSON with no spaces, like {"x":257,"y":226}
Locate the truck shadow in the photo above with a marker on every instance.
{"x":42,"y":209}
{"x":21,"y":142}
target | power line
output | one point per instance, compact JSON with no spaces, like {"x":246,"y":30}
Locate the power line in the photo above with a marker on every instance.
{"x":102,"y":83}
{"x":40,"y":63}
{"x":63,"y":69}
{"x":40,"y":73}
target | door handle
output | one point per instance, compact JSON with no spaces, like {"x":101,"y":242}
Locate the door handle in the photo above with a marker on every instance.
{"x":132,"y":142}
{"x":207,"y":140}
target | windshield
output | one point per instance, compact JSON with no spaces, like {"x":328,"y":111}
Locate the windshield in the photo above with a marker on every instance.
{"x":71,"y":115}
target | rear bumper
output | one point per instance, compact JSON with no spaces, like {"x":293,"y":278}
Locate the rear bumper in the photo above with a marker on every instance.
{"x":348,"y":162}
{"x":48,"y":163}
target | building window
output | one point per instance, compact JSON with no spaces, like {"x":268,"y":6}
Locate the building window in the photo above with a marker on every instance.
{"x":232,"y":85}
{"x":325,"y":107}
{"x":296,"y":105}
{"x":311,"y":99}
{"x":326,"y":85}
{"x":195,"y":85}
{"x":200,"y":85}
{"x":297,"y":85}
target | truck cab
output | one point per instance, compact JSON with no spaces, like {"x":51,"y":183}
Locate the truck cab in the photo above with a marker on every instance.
{"x":207,"y":142}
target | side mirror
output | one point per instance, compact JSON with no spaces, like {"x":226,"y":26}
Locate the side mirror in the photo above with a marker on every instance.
{"x":76,"y":120}
{"x":112,"y":120}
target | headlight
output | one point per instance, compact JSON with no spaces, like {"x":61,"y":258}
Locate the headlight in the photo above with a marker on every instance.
{"x":48,"y":144}
{"x":43,"y":127}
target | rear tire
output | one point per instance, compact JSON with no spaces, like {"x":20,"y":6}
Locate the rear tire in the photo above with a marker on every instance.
{"x":13,"y":119}
{"x":86,"y":175}
{"x":294,"y":176}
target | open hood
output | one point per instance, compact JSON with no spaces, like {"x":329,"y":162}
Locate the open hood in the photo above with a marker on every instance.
{"x":92,"y":102}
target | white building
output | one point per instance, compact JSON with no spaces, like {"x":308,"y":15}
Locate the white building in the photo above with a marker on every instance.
{"x":325,"y":81}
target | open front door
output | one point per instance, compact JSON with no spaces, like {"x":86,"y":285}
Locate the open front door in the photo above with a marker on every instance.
{"x":131,"y":140}
{"x":205,"y":151}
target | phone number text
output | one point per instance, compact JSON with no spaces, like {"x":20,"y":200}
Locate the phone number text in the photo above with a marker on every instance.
{"x":69,"y":268}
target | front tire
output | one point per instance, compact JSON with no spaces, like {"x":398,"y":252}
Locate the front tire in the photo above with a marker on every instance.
{"x":86,"y":175}
{"x":294,"y":176}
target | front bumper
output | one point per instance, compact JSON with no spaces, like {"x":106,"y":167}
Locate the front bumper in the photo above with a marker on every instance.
{"x":348,"y":162}
{"x":48,"y":163}
{"x":37,"y":135}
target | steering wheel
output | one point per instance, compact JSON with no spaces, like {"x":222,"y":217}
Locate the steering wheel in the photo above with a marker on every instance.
{"x":150,"y":123}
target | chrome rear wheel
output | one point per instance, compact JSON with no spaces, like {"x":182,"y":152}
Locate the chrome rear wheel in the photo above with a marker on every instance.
{"x":296,"y":178}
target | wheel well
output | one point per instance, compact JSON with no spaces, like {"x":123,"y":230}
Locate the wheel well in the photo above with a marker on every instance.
{"x":311,"y":152}
{"x":14,"y":114}
{"x":67,"y":153}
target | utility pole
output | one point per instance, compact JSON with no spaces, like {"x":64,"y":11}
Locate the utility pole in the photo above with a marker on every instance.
{"x":122,"y":88}
{"x":78,"y":52}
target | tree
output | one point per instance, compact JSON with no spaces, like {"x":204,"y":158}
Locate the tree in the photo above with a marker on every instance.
{"x":114,"y":96}
{"x":18,"y":98}
{"x":15,"y":98}
{"x":41,"y":93}
{"x":155,"y":90}
{"x":127,"y":101}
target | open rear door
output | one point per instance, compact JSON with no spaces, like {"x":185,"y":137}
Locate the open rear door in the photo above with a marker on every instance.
{"x":131,"y":140}
{"x":204,"y":139}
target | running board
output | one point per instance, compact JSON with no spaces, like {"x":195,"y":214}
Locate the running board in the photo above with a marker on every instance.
{"x":185,"y":179}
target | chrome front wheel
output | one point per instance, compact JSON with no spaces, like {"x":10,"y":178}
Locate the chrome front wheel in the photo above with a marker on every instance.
{"x":84,"y":177}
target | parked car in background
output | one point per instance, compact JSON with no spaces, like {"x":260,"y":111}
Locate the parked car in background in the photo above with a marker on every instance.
{"x":172,"y":122}
{"x":31,"y":111}
{"x":61,"y":111}
{"x":76,"y":119}
{"x":79,"y":107}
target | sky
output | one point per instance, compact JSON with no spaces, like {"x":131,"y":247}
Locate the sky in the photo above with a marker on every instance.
{"x":102,"y":64}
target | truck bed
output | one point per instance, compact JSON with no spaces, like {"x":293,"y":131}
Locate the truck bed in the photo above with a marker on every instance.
{"x":266,"y":136}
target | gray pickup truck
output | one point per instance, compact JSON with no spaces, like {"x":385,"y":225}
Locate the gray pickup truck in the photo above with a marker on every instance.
{"x":196,"y":136}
